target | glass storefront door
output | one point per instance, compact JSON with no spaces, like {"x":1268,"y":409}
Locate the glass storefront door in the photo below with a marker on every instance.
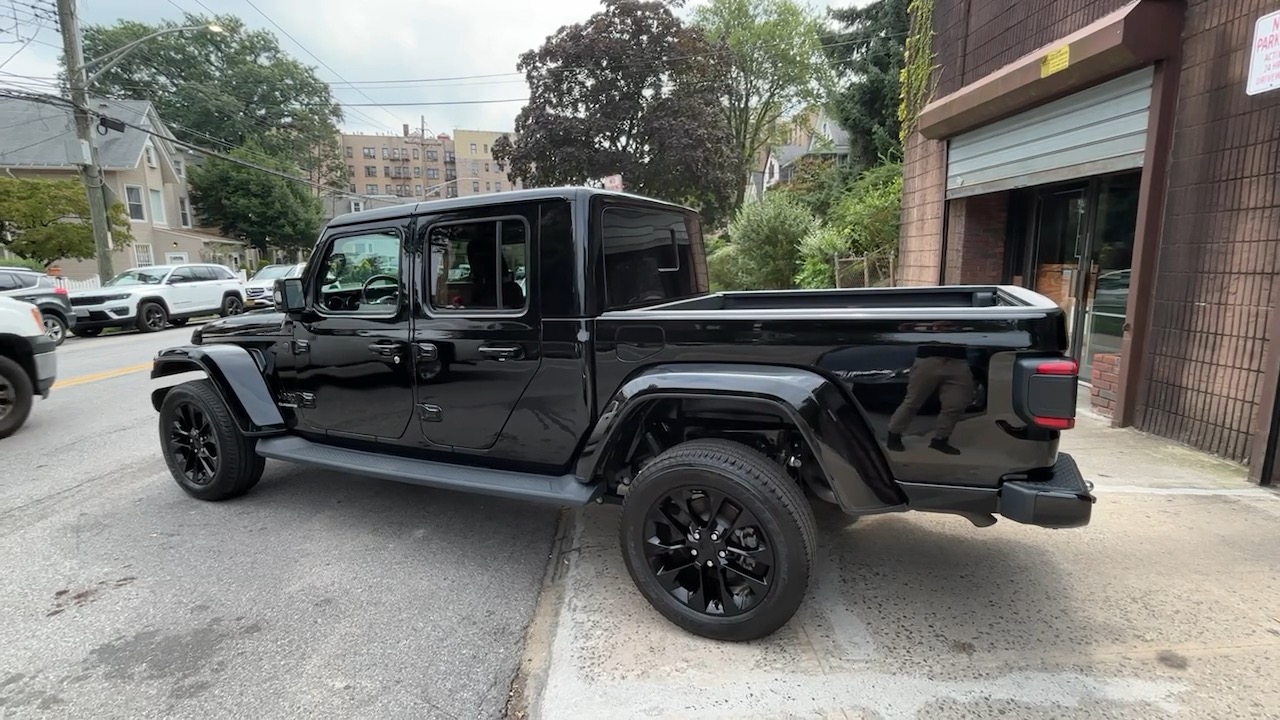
{"x":1081,"y":255}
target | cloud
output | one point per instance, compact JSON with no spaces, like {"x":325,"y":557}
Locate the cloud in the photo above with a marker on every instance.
{"x":380,"y":40}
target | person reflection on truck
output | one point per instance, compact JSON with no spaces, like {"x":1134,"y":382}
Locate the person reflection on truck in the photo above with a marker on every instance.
{"x":941,"y":368}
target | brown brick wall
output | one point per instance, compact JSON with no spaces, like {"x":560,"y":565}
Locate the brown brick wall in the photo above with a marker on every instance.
{"x":1221,"y":241}
{"x":976,"y":237}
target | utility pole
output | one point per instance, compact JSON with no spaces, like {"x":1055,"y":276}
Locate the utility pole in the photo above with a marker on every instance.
{"x":87,"y":152}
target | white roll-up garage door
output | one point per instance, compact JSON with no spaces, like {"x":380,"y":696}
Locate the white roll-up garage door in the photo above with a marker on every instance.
{"x":1099,"y":130}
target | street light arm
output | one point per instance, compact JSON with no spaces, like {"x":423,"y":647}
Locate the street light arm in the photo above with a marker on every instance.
{"x":110,"y":59}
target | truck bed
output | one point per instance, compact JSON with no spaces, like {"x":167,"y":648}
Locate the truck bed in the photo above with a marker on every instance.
{"x":911,"y":301}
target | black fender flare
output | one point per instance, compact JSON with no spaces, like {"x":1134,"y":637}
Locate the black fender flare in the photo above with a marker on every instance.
{"x":831,"y":424}
{"x":235,"y":374}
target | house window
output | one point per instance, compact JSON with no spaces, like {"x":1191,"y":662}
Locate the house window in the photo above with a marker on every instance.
{"x":351,"y":187}
{"x":395,"y":153}
{"x":351,"y":170}
{"x":417,"y":172}
{"x":415,"y":153}
{"x":486,"y":167}
{"x":449,"y":156}
{"x":433,"y":155}
{"x":475,"y":167}
{"x":385,"y":152}
{"x":142,"y":255}
{"x":369,"y":153}
{"x":176,"y":258}
{"x":357,"y":206}
{"x":177,"y":167}
{"x":371,"y":171}
{"x":389,"y":190}
{"x":486,"y":149}
{"x":473,"y":148}
{"x":386,"y":171}
{"x":433,"y":173}
{"x":184,"y":212}
{"x":487,"y":186}
{"x":371,"y":189}
{"x":348,"y":151}
{"x":417,"y":190}
{"x":151,"y":156}
{"x":133,"y":198}
{"x":475,"y":186}
{"x":157,"y":207}
{"x":497,"y":186}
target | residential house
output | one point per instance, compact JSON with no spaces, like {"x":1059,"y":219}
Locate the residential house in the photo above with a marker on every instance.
{"x":142,"y":169}
{"x":813,"y":133}
{"x":1119,"y":157}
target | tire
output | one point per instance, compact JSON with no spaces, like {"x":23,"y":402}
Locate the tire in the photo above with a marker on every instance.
{"x":236,"y":467}
{"x":231,"y":305}
{"x":178,"y":322}
{"x":55,"y":327}
{"x":152,"y":317}
{"x":738,"y":480}
{"x":86,"y":332}
{"x":16,"y":396}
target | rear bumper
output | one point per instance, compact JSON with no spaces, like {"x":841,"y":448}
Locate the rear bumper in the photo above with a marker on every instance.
{"x":1064,"y":500}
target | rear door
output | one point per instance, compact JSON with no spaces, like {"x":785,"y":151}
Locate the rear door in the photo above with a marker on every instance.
{"x":185,"y":291}
{"x":476,"y":331}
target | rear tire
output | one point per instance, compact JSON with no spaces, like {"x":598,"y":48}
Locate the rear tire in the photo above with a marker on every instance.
{"x":55,"y":327}
{"x":16,"y":396}
{"x":152,"y":317}
{"x":206,"y":453}
{"x":719,"y":540}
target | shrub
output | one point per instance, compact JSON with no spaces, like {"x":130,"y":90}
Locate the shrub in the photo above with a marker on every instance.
{"x":763,"y":248}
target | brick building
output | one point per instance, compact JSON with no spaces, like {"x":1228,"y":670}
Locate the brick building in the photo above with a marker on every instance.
{"x":1114,"y":156}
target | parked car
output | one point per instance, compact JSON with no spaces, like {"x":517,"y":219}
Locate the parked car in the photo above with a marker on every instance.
{"x":257,"y":291}
{"x":28,"y":362}
{"x":45,"y":293}
{"x":154,"y":297}
{"x":717,"y":421}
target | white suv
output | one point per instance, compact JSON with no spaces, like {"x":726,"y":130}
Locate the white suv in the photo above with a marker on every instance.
{"x":151,"y":298}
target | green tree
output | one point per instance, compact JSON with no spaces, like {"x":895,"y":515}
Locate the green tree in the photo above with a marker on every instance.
{"x":262,"y":208}
{"x":762,"y":251}
{"x":48,"y":220}
{"x":818,"y":183}
{"x":631,"y":90}
{"x":864,"y":221}
{"x":867,"y":55}
{"x":225,"y":89}
{"x":776,"y":67}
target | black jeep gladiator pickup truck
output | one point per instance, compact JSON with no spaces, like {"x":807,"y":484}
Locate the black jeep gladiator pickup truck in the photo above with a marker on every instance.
{"x":561,"y":345}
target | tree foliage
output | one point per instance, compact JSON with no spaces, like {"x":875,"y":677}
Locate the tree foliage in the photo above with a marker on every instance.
{"x":48,"y":220}
{"x":222,"y":88}
{"x":763,"y":247}
{"x":864,"y":221}
{"x":867,"y":56}
{"x":774,"y":53}
{"x":818,"y":183}
{"x":263,"y":208}
{"x":630,"y":91}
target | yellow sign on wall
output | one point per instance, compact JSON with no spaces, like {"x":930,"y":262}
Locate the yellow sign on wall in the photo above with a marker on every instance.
{"x":1055,"y":61}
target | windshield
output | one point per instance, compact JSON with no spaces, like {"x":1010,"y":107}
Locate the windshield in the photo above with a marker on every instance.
{"x":296,"y":271}
{"x":273,"y":272}
{"x":142,"y":276}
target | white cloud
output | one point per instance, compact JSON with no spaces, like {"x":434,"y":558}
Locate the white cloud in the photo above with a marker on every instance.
{"x":380,"y":40}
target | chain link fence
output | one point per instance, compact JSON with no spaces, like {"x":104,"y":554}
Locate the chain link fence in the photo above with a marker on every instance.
{"x":859,"y":271}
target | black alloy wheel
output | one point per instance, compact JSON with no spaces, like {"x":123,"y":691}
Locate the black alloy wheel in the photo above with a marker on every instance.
{"x":708,"y":552}
{"x":231,"y":305}
{"x":17,"y":395}
{"x":152,"y":318}
{"x":719,"y":539}
{"x":194,"y":445}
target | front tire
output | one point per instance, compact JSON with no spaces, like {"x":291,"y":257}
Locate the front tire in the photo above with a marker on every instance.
{"x":206,"y":453}
{"x":232,"y":305}
{"x":719,"y":540}
{"x":152,"y":317}
{"x":16,"y":396}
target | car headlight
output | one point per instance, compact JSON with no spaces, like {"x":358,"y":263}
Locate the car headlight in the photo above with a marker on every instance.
{"x":111,"y":298}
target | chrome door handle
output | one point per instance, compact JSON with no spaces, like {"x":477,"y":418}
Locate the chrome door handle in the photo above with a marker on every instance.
{"x":501,"y":353}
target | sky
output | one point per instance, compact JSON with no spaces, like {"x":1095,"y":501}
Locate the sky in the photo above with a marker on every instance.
{"x":361,"y":40}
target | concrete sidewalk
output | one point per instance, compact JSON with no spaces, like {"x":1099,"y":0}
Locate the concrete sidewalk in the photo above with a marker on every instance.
{"x":1164,"y":606}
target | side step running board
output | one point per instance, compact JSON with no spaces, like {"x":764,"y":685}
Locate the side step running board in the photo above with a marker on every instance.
{"x":556,"y":490}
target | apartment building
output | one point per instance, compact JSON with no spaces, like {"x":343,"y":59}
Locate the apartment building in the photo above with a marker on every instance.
{"x":478,"y":172}
{"x":145,"y":171}
{"x":1120,"y":157}
{"x":405,"y":166}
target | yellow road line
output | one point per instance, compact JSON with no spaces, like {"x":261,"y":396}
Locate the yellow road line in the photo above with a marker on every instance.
{"x":104,"y":375}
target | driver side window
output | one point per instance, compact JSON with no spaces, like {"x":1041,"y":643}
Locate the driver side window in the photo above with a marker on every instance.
{"x":360,"y":274}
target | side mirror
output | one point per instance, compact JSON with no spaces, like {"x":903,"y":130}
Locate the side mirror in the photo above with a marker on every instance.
{"x":288,"y":295}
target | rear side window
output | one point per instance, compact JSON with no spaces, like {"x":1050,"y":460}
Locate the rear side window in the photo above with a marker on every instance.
{"x":651,"y":257}
{"x":9,"y":281}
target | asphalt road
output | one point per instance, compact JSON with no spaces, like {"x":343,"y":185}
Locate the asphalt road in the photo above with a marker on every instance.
{"x":315,"y":595}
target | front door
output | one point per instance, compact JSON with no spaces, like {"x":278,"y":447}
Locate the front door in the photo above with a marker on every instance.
{"x":351,"y":345}
{"x":477,"y":336}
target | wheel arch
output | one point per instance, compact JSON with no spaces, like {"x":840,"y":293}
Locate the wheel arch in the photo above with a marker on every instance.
{"x":158,"y":299}
{"x":831,"y":426}
{"x":237,"y":376}
{"x":18,"y":349}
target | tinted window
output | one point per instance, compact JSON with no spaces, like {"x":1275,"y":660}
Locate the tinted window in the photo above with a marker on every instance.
{"x":651,"y":256}
{"x":184,"y":275}
{"x":203,"y":273}
{"x":480,"y":265}
{"x":9,"y":281}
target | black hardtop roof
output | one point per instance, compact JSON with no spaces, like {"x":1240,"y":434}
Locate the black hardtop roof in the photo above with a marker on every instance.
{"x":490,"y":199}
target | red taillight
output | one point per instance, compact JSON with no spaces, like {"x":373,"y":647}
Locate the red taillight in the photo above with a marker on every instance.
{"x":1054,"y":423}
{"x":1058,"y":367}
